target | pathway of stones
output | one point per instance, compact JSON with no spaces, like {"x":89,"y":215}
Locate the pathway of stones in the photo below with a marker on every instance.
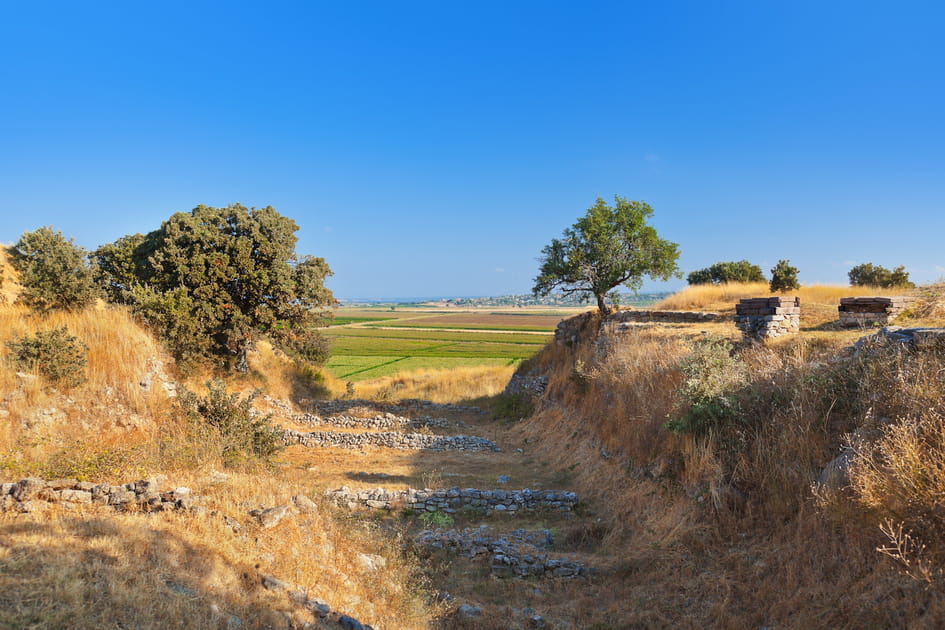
{"x":496,"y":505}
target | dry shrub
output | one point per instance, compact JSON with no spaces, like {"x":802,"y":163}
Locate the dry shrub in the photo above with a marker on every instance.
{"x":930,"y":304}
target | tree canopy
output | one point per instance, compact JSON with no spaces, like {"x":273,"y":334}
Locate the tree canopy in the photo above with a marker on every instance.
{"x":609,"y":246}
{"x":869,"y":274}
{"x":741,"y":271}
{"x":214,"y":279}
{"x":55,"y":272}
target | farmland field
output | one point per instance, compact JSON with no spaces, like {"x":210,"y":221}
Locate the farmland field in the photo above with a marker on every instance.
{"x":371,"y":343}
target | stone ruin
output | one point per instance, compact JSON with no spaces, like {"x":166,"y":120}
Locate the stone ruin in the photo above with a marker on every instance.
{"x":860,"y":312}
{"x":768,"y":317}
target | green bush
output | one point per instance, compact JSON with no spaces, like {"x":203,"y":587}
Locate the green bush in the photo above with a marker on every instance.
{"x":713,"y":376}
{"x":230,"y":423}
{"x":513,"y":406}
{"x":741,"y":271}
{"x":436,"y":519}
{"x":54,"y":272}
{"x":784,"y":277}
{"x":55,"y":354}
{"x":869,"y":274}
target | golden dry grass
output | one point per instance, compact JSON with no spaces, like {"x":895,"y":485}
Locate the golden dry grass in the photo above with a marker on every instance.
{"x":729,"y":519}
{"x":84,"y":569}
{"x":818,"y":301}
{"x":440,"y":386}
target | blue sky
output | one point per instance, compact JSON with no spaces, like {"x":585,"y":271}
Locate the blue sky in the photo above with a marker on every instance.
{"x":434,"y":148}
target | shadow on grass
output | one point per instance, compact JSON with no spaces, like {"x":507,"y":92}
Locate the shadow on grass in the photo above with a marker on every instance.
{"x":71,"y":572}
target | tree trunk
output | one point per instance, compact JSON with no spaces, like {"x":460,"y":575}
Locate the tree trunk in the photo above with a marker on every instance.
{"x":605,"y":310}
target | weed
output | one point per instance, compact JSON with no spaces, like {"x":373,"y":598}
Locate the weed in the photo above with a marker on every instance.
{"x":436,"y":519}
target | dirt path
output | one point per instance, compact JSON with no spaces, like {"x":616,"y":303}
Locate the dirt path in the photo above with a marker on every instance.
{"x":462,"y":550}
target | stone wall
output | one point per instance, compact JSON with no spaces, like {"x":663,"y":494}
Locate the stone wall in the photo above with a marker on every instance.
{"x":390,"y":439}
{"x":452,"y":499}
{"x":769,"y":317}
{"x":380,"y":421}
{"x":28,"y":495}
{"x":516,"y":554}
{"x":857,"y":312}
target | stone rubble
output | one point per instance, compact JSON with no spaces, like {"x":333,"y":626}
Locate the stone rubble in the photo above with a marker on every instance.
{"x":532,"y":384}
{"x":450,"y":500}
{"x":390,"y":439}
{"x":26,"y":495}
{"x":515,"y":554}
{"x":917,"y":338}
{"x":380,"y":421}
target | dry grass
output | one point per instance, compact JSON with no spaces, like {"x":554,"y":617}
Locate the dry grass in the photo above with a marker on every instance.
{"x":441,"y":386}
{"x":84,"y":570}
{"x":729,"y":519}
{"x":818,"y":301}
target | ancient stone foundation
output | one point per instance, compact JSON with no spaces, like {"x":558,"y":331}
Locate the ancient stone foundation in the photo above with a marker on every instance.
{"x":767,"y":318}
{"x":452,"y":499}
{"x":858,"y":312}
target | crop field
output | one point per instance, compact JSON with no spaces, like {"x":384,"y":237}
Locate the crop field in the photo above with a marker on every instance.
{"x":479,"y":321}
{"x":369,"y":344}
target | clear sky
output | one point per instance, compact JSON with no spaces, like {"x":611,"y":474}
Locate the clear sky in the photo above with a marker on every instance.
{"x":433,"y":148}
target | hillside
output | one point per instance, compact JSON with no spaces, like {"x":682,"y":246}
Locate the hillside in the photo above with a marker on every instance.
{"x":651,"y":475}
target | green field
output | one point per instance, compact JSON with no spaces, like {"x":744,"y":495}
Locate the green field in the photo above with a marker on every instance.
{"x":368,"y":345}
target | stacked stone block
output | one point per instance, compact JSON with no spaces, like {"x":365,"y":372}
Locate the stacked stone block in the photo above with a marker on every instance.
{"x":767,"y":318}
{"x":858,"y":312}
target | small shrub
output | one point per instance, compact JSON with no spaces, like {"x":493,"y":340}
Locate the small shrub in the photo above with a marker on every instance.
{"x":784,"y":277}
{"x":713,"y":375}
{"x":55,"y":272}
{"x":55,"y":354}
{"x":230,"y":422}
{"x":436,"y":519}
{"x":513,"y":406}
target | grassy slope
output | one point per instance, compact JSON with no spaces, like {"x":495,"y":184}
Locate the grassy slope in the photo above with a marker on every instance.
{"x":724,"y":530}
{"x":93,"y":567}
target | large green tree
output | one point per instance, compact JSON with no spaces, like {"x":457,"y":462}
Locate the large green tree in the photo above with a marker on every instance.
{"x":55,"y":272}
{"x":214,"y":279}
{"x":720,"y":272}
{"x":608,"y":247}
{"x":869,"y":274}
